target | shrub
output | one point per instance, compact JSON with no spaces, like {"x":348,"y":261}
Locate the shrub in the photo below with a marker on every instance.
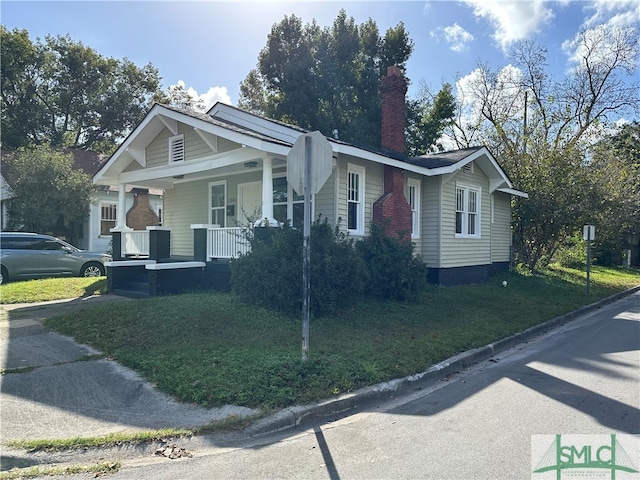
{"x":395,"y":272}
{"x":572,"y":253}
{"x":271,"y":274}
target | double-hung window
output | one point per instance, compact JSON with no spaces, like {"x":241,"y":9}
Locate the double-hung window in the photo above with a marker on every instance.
{"x":355,"y":199}
{"x":108,"y":212}
{"x":467,"y":211}
{"x":287,"y":204}
{"x":413,"y":199}
{"x":218,"y":203}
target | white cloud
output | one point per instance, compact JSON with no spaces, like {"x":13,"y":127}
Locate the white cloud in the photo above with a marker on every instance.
{"x":211,"y":96}
{"x":613,"y":12}
{"x":456,"y":36}
{"x":513,"y":20}
{"x":215,"y":94}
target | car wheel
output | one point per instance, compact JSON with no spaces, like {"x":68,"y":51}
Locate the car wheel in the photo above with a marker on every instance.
{"x":92,"y":270}
{"x":4,"y":276}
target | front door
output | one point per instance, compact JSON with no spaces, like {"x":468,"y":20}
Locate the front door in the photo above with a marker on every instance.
{"x":249,"y":202}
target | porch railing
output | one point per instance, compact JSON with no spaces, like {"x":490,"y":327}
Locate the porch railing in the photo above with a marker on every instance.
{"x":226,"y":242}
{"x":135,"y":243}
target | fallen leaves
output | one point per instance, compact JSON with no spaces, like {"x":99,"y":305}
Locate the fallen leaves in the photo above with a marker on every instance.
{"x":173,"y":452}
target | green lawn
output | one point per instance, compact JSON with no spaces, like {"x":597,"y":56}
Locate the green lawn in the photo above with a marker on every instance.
{"x":211,"y":349}
{"x":47,"y":289}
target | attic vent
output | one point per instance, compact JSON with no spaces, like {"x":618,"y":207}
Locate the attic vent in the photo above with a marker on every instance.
{"x":176,"y":148}
{"x":468,"y":167}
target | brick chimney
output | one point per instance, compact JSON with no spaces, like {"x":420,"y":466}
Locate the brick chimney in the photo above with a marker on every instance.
{"x":391,"y":209}
{"x":141,"y":215}
{"x":393,"y":90}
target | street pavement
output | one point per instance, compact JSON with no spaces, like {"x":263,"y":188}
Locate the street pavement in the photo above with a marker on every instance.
{"x":65,"y":398}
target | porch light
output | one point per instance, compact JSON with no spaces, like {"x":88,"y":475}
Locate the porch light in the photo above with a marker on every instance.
{"x":250,"y":164}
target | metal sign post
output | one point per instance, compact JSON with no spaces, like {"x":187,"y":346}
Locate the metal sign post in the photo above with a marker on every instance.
{"x":589,"y":233}
{"x":309,"y":165}
{"x":306,"y":249}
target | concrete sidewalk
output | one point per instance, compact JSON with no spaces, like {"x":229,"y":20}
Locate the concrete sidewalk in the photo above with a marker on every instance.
{"x":54,"y":388}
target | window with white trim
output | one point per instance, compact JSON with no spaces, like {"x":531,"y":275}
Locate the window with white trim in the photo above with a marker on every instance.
{"x":413,"y":199}
{"x":176,"y":148}
{"x":287,"y":204}
{"x":218,"y":203}
{"x":467,"y":211}
{"x":108,"y":217}
{"x":355,"y":199}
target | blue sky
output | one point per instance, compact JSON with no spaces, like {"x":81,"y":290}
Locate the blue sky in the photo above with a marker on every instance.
{"x":212,"y":45}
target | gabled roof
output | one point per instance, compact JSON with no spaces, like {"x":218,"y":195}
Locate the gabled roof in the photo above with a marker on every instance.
{"x":262,"y":135}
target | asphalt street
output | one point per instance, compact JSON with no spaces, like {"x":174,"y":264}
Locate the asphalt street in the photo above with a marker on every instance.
{"x":581,"y":378}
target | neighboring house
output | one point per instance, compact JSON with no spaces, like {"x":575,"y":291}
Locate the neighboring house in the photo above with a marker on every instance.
{"x":5,"y":194}
{"x":218,"y":169}
{"x":142,"y":206}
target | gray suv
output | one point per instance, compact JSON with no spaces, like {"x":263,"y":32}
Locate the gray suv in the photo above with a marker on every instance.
{"x":31,"y":255}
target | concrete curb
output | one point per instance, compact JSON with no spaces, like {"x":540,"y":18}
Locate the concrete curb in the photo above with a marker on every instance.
{"x":298,"y":416}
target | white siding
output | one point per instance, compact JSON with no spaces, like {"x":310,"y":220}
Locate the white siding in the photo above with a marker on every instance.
{"x":374,"y":175}
{"x":325,"y":200}
{"x":430,"y":224}
{"x":501,"y":228}
{"x":184,"y":205}
{"x":459,"y":252}
{"x":157,"y":152}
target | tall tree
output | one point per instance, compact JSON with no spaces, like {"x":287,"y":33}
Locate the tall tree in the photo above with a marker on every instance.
{"x":540,"y":129}
{"x":326,"y":78}
{"x":178,"y":96}
{"x":66,"y":94}
{"x":614,"y":168}
{"x":428,"y":116}
{"x":49,"y":193}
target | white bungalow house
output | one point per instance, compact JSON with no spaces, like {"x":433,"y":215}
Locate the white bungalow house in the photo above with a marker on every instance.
{"x":5,"y":194}
{"x":141,"y":207}
{"x":224,"y":169}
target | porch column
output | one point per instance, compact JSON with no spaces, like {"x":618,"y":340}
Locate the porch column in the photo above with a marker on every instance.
{"x":266,"y":217}
{"x":121,"y":214}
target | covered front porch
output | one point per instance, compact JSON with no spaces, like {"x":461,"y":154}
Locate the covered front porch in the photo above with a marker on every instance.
{"x":143,"y":266}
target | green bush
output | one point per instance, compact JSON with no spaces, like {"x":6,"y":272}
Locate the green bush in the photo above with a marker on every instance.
{"x":572,"y":253}
{"x":271,"y":274}
{"x":395,"y":272}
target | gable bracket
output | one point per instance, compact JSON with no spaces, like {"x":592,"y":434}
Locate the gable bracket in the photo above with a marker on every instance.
{"x":496,"y":183}
{"x":138,"y":155}
{"x":209,"y":139}
{"x":170,"y":123}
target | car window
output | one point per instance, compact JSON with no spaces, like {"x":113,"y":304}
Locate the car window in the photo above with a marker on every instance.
{"x":51,"y":245}
{"x":18,"y":243}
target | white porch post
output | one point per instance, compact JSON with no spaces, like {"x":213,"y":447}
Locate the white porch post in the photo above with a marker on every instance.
{"x":267,"y":195}
{"x":121,"y":214}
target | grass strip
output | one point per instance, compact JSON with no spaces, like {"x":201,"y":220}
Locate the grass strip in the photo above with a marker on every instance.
{"x":97,"y":469}
{"x":110,"y":440}
{"x":231,"y":423}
